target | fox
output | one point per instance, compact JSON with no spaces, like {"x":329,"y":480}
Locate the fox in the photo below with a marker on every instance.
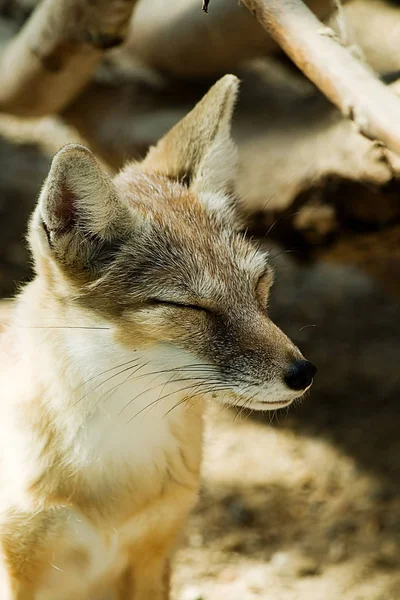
{"x":148,"y":301}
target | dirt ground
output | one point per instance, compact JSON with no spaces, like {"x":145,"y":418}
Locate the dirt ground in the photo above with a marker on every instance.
{"x":287,"y":516}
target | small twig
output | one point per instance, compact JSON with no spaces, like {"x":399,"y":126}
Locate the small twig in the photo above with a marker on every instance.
{"x":348,"y":83}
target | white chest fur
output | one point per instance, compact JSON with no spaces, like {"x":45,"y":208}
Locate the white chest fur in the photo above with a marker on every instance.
{"x":119,"y":410}
{"x":131,"y":426}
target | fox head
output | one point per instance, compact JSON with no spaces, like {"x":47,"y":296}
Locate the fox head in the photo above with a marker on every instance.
{"x":156,"y":253}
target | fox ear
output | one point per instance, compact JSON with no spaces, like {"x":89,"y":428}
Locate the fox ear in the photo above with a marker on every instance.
{"x":78,"y":195}
{"x":199,"y":150}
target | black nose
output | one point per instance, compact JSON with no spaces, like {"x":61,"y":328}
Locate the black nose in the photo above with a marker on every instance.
{"x":300,"y":375}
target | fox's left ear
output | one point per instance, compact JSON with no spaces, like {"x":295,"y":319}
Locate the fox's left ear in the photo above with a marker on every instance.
{"x":199,"y":150}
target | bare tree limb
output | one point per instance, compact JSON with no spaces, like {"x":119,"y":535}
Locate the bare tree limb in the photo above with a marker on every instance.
{"x":183,"y":42}
{"x":289,"y":136}
{"x":349,"y":84}
{"x":56,"y":52}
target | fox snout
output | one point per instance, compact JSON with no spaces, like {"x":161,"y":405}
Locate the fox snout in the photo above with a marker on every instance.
{"x":253,"y":357}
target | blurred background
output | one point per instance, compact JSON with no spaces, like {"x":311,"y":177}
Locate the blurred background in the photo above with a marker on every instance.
{"x":297,"y":505}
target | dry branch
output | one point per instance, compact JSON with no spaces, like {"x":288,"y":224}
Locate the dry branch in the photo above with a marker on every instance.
{"x":290,"y":137}
{"x":56,"y":52}
{"x":349,"y":84}
{"x":182,"y":41}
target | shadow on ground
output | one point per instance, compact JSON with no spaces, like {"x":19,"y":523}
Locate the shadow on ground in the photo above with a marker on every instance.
{"x":347,"y":324}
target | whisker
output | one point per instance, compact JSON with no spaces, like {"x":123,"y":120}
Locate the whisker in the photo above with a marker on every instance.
{"x":152,"y":403}
{"x":116,"y":387}
{"x":102,"y":383}
{"x":59,"y":327}
{"x":186,"y":398}
{"x":246,"y":404}
{"x":204,"y":387}
{"x":104,"y":372}
{"x":135,"y":360}
{"x":182,"y":401}
{"x":161,"y":397}
{"x":306,"y":327}
{"x":144,"y":391}
{"x":287,"y":251}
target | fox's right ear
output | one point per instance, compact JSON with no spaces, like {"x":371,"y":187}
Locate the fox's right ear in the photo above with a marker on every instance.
{"x":79,"y":213}
{"x":199,"y":150}
{"x":79,"y":194}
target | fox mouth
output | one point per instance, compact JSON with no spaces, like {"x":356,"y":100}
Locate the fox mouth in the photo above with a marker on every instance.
{"x":267,"y":405}
{"x":271,"y":405}
{"x":255,"y":402}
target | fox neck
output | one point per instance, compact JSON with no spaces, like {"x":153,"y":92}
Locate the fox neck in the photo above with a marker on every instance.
{"x":106,"y":400}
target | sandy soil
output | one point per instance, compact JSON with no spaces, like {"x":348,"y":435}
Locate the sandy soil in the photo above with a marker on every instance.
{"x":285,"y":515}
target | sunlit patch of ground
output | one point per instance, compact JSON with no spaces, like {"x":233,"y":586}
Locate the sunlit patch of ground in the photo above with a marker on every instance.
{"x":285,"y":516}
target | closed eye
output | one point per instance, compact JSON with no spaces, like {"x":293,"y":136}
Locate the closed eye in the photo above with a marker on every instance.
{"x":178,"y":304}
{"x":264,"y":285}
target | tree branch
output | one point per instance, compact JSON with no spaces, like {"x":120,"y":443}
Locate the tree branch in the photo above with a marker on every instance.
{"x":183,"y":42}
{"x":52,"y":58}
{"x":349,"y":84}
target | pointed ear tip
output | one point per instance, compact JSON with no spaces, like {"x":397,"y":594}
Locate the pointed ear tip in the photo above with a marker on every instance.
{"x":73,"y":149}
{"x":224,"y":94}
{"x":230,"y":79}
{"x":71,"y":156}
{"x":228,"y":83}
